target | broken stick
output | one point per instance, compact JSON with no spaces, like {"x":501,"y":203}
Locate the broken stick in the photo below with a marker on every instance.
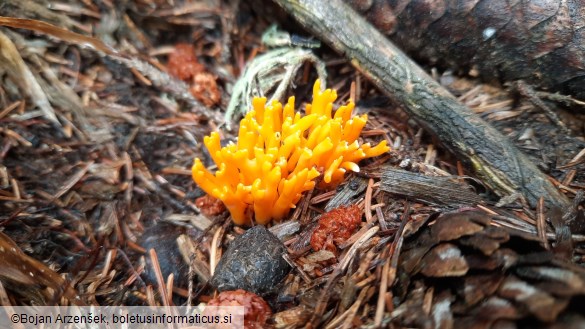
{"x":493,"y":158}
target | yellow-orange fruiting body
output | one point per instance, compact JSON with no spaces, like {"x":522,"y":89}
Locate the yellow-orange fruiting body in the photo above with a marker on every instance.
{"x":279,"y":153}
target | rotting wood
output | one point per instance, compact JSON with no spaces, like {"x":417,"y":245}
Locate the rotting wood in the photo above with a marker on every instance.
{"x":349,"y":191}
{"x":533,"y":40}
{"x":493,"y":158}
{"x":434,"y":190}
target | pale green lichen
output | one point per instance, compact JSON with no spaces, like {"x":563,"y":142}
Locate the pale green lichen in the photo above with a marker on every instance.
{"x":271,"y":74}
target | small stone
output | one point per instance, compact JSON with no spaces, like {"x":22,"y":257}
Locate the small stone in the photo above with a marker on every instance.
{"x":253,"y":262}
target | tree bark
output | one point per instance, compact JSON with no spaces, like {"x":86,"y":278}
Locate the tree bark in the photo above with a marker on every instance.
{"x":493,"y":158}
{"x":538,"y":41}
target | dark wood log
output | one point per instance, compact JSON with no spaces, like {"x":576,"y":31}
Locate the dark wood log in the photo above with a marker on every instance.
{"x":538,"y":41}
{"x":493,"y":158}
{"x":441,"y":191}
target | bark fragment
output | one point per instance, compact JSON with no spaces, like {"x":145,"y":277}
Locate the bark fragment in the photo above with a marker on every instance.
{"x":501,"y":166}
{"x":537,"y":41}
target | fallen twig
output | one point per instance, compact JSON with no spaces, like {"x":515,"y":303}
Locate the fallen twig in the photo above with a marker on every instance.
{"x":501,"y":166}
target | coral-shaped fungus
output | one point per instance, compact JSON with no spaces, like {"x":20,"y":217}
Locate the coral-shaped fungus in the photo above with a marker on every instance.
{"x":280,"y":153}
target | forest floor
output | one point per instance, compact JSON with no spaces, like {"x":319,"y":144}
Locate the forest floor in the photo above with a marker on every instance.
{"x":95,"y":171}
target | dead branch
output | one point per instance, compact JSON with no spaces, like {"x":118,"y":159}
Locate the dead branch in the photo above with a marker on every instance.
{"x":502,"y":167}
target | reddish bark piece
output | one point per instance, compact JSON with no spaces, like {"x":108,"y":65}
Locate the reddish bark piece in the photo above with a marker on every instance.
{"x":335,"y":227}
{"x":209,"y":205}
{"x":256,"y":311}
{"x":183,"y":63}
{"x":205,"y":89}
